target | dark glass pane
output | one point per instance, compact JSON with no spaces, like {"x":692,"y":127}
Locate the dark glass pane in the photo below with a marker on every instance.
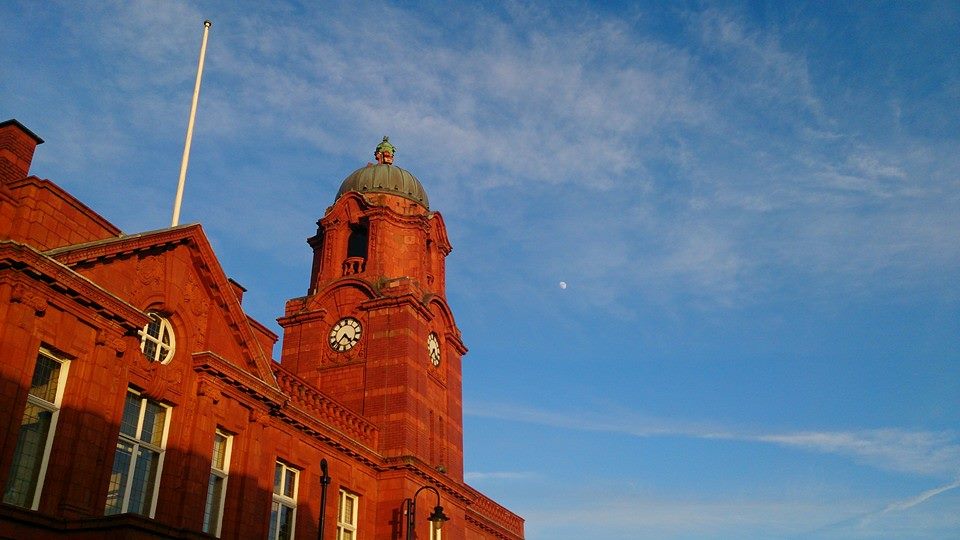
{"x":274,"y":514}
{"x":290,"y":483}
{"x":46,"y":376}
{"x":286,"y":523}
{"x":144,"y":477}
{"x":150,"y":349}
{"x":153,"y":329}
{"x":277,"y":477}
{"x":153,"y":417}
{"x":219,"y":452}
{"x":131,"y":415}
{"x":211,"y":512}
{"x":27,"y":457}
{"x":118,"y":478}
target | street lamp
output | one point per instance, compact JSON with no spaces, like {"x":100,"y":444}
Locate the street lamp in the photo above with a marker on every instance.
{"x":324,"y":482}
{"x":436,"y":519}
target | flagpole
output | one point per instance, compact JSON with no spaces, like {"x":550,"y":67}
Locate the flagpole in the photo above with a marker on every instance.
{"x":193,"y":115}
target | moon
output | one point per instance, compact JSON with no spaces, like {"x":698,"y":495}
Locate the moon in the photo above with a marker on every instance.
{"x":563,"y":284}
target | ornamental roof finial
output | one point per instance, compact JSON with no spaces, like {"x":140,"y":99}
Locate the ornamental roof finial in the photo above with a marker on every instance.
{"x":385,"y":151}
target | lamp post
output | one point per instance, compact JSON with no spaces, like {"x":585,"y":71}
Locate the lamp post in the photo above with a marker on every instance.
{"x":324,"y":482}
{"x":436,"y":519}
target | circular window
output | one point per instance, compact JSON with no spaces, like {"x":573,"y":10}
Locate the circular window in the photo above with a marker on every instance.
{"x":156,"y":340}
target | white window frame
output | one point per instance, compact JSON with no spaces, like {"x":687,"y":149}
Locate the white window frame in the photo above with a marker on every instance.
{"x":223,"y":474}
{"x":281,"y":500}
{"x":349,"y":524}
{"x":136,"y":443}
{"x":54,"y":409}
{"x":162,"y":352}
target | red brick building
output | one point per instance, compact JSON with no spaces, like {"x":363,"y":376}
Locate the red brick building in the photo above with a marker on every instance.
{"x":139,"y":400}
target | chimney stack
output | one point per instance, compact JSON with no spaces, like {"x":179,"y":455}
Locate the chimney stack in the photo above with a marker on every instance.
{"x":17,"y":144}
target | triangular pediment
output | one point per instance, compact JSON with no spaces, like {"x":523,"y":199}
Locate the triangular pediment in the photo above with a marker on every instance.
{"x":175,"y":272}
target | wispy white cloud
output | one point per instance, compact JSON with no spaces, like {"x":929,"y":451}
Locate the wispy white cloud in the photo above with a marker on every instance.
{"x":631,"y":515}
{"x":904,"y":518}
{"x":786,"y":513}
{"x":919,"y":499}
{"x":914,"y":452}
{"x":478,"y":476}
{"x":925,"y":453}
{"x":716,"y":160}
{"x":625,"y":516}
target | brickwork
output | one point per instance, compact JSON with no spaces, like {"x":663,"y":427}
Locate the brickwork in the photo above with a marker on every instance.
{"x":17,"y":144}
{"x":398,"y":297}
{"x":385,"y":418}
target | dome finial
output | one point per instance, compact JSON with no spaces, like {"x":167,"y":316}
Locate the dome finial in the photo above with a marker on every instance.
{"x":385,"y":151}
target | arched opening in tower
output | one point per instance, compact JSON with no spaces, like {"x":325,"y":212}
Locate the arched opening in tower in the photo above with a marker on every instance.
{"x":357,"y":249}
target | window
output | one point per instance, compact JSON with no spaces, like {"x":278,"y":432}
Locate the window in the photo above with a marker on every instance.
{"x":283,"y":513}
{"x":358,"y":240}
{"x":157,"y":340}
{"x":347,"y":516}
{"x":357,"y":244}
{"x":217,"y":487}
{"x":32,"y":453}
{"x":138,"y":460}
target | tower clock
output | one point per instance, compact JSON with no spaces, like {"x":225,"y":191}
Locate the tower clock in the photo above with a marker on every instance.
{"x":389,"y":348}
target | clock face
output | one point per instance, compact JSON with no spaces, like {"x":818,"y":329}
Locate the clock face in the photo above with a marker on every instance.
{"x":433,"y":348}
{"x":345,"y":334}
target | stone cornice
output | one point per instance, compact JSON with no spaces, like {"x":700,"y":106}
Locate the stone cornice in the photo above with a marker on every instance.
{"x":299,"y":405}
{"x":24,"y":259}
{"x":209,"y":362}
{"x":308,"y":403}
{"x":493,"y":517}
{"x":300,"y":317}
{"x":427,"y":475}
{"x":368,"y":207}
{"x":481,"y":511}
{"x":491,"y":527}
{"x":407,"y":299}
{"x":122,"y":245}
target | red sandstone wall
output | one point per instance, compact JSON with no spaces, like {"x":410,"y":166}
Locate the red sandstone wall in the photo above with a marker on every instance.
{"x":389,"y":380}
{"x":37,"y":212}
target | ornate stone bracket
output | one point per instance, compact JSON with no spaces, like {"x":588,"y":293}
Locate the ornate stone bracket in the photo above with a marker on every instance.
{"x":23,"y":295}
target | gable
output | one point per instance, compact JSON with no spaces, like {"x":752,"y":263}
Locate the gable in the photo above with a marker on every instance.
{"x":174,"y":273}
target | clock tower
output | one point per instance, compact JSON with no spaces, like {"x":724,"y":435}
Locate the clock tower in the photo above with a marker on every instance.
{"x":374,"y":330}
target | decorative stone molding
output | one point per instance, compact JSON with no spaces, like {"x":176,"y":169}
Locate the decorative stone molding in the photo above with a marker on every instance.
{"x":150,"y":270}
{"x":23,"y":295}
{"x":106,"y":339}
{"x":260,"y":417}
{"x":210,"y":391}
{"x":156,"y":386}
{"x":305,"y":397}
{"x":196,"y":302}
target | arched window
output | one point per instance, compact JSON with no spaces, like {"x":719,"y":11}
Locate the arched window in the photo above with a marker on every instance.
{"x":357,"y":243}
{"x":356,"y":261}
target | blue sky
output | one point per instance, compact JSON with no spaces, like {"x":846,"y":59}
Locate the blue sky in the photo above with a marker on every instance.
{"x":755,"y":207}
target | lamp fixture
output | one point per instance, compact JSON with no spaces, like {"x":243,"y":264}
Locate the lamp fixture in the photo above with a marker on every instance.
{"x":436,"y":519}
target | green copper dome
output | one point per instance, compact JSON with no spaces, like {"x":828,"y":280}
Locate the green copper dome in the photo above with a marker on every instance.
{"x":385,"y":179}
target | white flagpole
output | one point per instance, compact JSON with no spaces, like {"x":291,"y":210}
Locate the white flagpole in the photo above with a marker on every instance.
{"x":193,"y":114}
